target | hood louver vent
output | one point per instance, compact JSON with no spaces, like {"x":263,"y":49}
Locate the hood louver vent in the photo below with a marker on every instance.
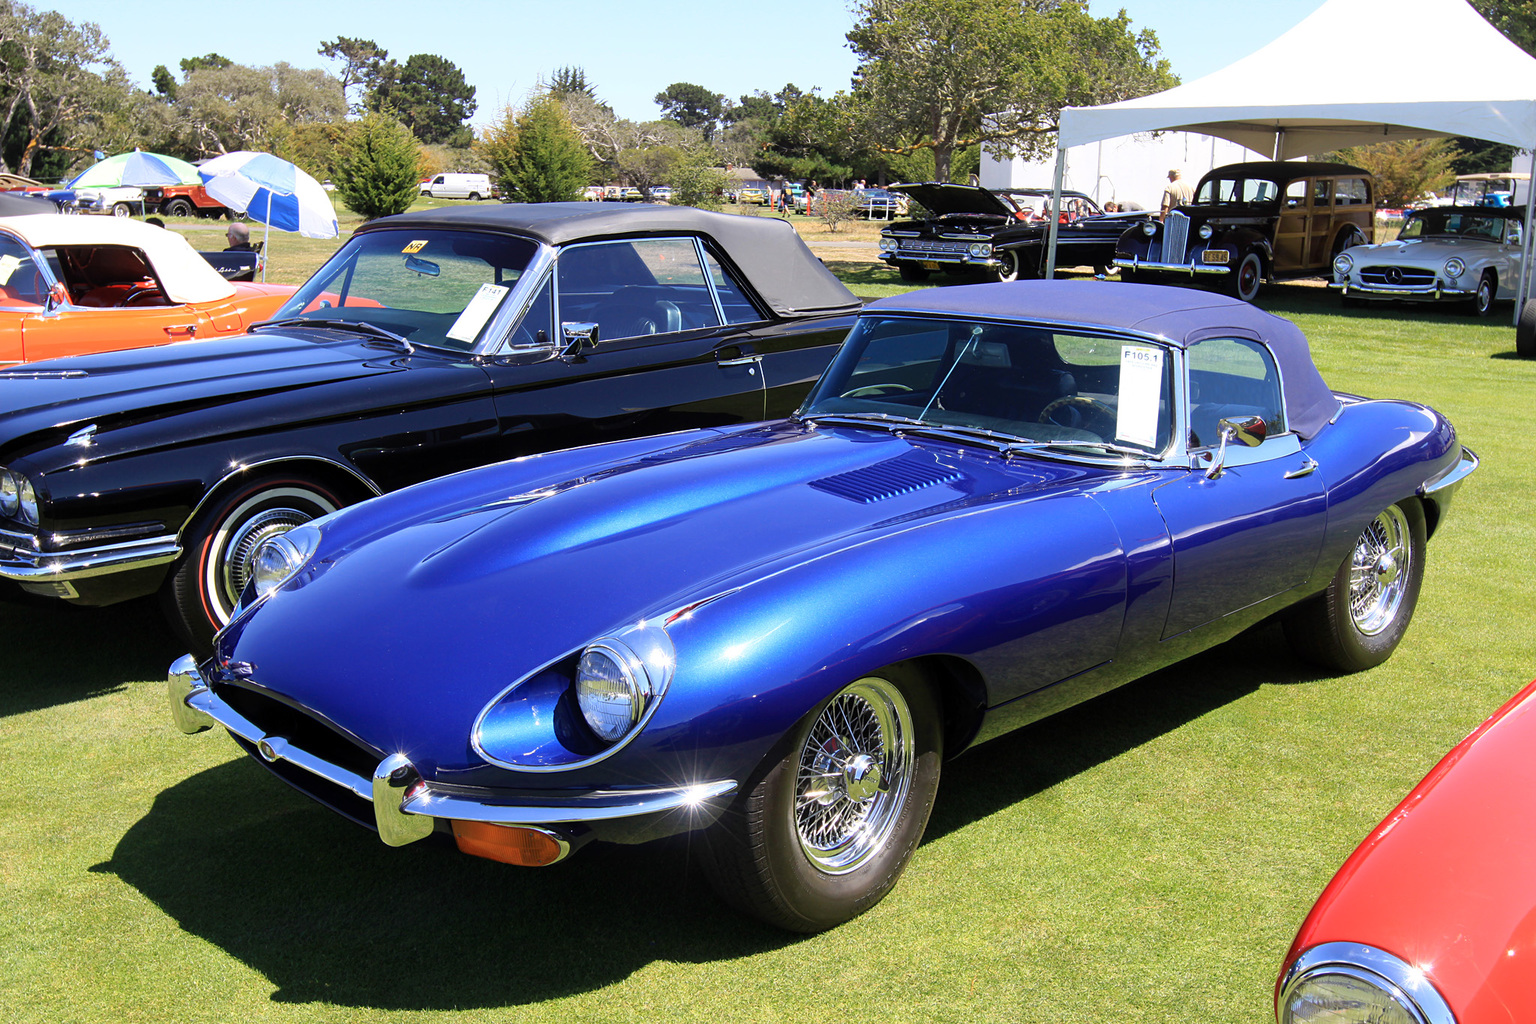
{"x":887,"y":479}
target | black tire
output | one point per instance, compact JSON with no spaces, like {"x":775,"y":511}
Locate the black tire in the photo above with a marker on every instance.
{"x":122,"y":210}
{"x":205,"y":582}
{"x":912,"y":273}
{"x":1248,"y":278}
{"x":1359,"y":620}
{"x":1010,"y":267}
{"x":1482,"y":299}
{"x":1525,"y":331}
{"x":823,"y":836}
{"x":179,"y":208}
{"x":474,"y":197}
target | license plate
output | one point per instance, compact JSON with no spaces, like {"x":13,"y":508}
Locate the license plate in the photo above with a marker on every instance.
{"x":930,"y":265}
{"x":1216,"y":256}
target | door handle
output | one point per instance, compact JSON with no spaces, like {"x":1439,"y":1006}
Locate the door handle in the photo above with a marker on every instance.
{"x":740,"y":360}
{"x":1308,"y":466}
{"x":190,"y":330}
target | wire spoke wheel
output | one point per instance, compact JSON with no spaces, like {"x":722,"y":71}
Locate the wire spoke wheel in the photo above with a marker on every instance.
{"x":854,"y":774}
{"x":1379,"y":572}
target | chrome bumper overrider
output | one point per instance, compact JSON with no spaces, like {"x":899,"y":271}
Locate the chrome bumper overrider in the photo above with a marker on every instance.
{"x":405,"y":806}
{"x":1172,"y":268}
{"x":1400,"y":291}
{"x":22,"y":562}
{"x":1443,"y":484}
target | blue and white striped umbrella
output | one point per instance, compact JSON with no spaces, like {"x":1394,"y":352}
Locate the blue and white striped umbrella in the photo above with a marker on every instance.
{"x":136,"y":169}
{"x":271,"y":190}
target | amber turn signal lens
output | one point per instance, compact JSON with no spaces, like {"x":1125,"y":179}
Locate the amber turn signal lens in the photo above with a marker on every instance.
{"x":525,"y":847}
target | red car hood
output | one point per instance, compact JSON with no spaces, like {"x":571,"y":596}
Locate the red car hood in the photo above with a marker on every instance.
{"x":1447,"y":882}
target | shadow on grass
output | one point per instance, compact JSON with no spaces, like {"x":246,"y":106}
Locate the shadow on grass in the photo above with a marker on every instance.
{"x":1019,"y":765}
{"x":57,"y":653}
{"x":329,"y":914}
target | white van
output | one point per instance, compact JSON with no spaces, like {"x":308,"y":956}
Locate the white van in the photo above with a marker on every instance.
{"x":458,"y":186}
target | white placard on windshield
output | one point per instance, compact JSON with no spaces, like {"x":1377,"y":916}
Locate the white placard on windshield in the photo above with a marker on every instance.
{"x":8,"y":265}
{"x":467,"y":327}
{"x":1141,"y":394}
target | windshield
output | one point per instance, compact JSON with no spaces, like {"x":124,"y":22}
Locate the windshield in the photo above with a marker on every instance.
{"x":1218,"y":191}
{"x":1028,"y":383}
{"x":432,"y":287}
{"x":1425,"y":223}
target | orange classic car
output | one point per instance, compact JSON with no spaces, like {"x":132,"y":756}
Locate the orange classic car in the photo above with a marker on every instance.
{"x":70,"y":285}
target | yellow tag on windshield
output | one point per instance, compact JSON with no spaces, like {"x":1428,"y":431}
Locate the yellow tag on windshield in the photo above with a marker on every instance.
{"x":416,"y":246}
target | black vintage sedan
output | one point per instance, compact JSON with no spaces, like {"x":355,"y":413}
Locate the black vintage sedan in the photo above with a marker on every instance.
{"x":430,"y":342}
{"x":1000,"y":234}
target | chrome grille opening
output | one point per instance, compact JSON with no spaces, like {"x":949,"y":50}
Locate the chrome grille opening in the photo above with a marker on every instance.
{"x":1175,"y":237}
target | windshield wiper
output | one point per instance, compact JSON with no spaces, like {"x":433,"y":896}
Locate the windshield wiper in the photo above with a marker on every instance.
{"x":907,"y":425}
{"x":878,"y":418}
{"x":355,"y":326}
{"x":1105,"y":446}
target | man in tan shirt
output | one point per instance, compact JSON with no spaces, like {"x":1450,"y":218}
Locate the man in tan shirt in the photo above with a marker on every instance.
{"x":1177,"y":193}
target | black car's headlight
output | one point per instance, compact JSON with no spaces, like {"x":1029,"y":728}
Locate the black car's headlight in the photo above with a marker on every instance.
{"x":618,"y":679}
{"x":1205,"y":231}
{"x":889,"y":245}
{"x":1351,"y":983}
{"x":1149,"y":228}
{"x":981,"y":250}
{"x":17,"y":498}
{"x":1454,"y":267}
{"x":281,"y":558}
{"x":1342,"y":264}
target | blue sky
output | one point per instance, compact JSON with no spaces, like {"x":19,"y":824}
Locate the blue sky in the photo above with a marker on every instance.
{"x":630,"y":50}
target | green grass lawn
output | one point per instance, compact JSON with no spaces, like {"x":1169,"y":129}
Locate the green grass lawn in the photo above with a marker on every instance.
{"x":1144,"y":857}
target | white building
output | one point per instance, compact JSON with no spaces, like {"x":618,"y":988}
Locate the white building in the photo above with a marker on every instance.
{"x":1130,"y":169}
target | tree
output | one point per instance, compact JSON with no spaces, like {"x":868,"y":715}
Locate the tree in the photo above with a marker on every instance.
{"x":1405,"y":170}
{"x":692,"y":106}
{"x":946,"y":74}
{"x":571,"y":81}
{"x":209,"y":60}
{"x":538,"y":154}
{"x":376,"y":171}
{"x":695,"y":183}
{"x":646,"y":168}
{"x":53,"y":78}
{"x":1515,"y":18}
{"x":164,"y":82}
{"x":362,"y":60}
{"x":429,"y":95}
{"x":224,"y":108}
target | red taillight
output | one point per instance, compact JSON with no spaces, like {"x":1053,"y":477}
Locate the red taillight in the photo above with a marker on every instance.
{"x":510,"y":844}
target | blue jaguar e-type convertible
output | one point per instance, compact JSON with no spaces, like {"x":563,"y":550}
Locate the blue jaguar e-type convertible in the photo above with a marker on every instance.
{"x":999,"y":500}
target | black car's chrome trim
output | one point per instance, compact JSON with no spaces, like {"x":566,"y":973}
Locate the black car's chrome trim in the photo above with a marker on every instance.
{"x":32,"y":565}
{"x":1173,"y":268}
{"x":249,"y":467}
{"x":195,"y":707}
{"x":1407,"y":985}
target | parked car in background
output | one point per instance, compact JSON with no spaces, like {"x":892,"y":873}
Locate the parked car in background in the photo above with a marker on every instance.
{"x":458,"y":186}
{"x":757,"y":194}
{"x":121,"y":201}
{"x":1465,"y":254}
{"x":71,"y":285}
{"x":1003,"y":233}
{"x":661,"y":193}
{"x":184,"y":201}
{"x":878,"y":203}
{"x":430,"y":342}
{"x":1254,"y":222}
{"x":999,"y":501}
{"x":1433,"y":918}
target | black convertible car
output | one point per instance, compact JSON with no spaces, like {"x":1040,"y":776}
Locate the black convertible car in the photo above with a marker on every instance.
{"x":430,"y":342}
{"x":1002,"y":234}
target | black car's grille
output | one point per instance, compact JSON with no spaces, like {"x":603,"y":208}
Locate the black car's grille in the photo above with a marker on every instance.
{"x":932,"y":246}
{"x":1175,"y":237}
{"x":1394,"y":277}
{"x":274,"y":718}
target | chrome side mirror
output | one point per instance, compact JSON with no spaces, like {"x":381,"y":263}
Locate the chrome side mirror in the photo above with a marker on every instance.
{"x":578,"y":336}
{"x":1250,"y":430}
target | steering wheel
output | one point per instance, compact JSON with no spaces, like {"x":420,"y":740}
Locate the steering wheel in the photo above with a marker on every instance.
{"x":140,"y":296}
{"x":871,"y":390}
{"x":1079,"y":412}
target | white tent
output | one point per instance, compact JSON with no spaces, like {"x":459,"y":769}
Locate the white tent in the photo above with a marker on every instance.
{"x":1310,"y":91}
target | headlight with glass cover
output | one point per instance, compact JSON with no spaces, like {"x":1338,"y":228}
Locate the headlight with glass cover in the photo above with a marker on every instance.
{"x":1352,"y":983}
{"x":17,"y":498}
{"x":1454,"y":267}
{"x":981,"y":250}
{"x":619,"y":678}
{"x":889,"y":244}
{"x":1342,"y":264}
{"x":281,"y":558}
{"x":1205,"y":231}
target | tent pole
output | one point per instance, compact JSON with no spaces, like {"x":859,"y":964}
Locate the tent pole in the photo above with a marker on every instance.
{"x":1522,"y":294}
{"x":1050,"y":243}
{"x":266,"y":239}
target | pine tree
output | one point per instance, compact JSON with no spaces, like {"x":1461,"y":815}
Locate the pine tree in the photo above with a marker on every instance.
{"x":377,"y":171}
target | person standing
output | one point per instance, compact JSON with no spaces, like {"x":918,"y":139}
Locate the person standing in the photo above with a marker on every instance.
{"x":1176,"y":194}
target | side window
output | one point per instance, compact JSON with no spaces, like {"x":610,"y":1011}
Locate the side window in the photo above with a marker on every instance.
{"x":536,"y":329}
{"x":21,"y":283}
{"x":1512,"y":232}
{"x":1231,"y":378}
{"x":734,"y":303}
{"x":1295,"y":194}
{"x":1351,"y":192}
{"x":1322,"y":189}
{"x":635,"y":288}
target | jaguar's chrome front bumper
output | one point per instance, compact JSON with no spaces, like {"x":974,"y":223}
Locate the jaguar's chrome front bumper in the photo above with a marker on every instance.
{"x":406,"y":807}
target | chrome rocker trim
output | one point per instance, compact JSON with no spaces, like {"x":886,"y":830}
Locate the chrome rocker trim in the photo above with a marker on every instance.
{"x":1376,"y":291}
{"x":31,"y":566}
{"x":1172,"y":268}
{"x":404,"y":804}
